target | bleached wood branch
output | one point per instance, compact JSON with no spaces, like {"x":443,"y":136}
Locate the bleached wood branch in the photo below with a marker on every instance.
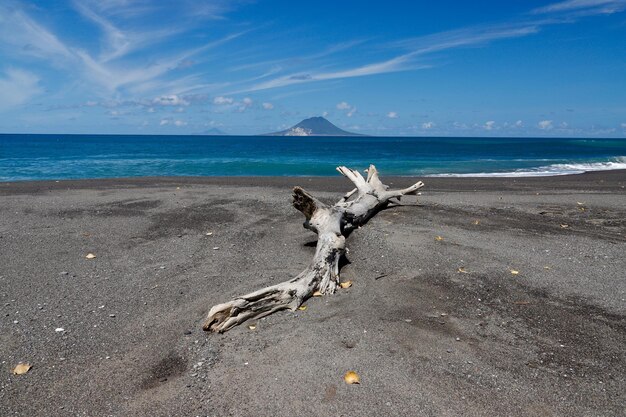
{"x":332,"y":224}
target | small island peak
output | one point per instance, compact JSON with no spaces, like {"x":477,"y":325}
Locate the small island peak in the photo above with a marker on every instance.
{"x":314,"y":126}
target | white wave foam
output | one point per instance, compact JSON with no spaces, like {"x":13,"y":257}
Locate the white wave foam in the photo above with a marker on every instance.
{"x":549,"y":170}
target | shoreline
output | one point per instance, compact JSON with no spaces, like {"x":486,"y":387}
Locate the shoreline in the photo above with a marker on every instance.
{"x":608,"y":179}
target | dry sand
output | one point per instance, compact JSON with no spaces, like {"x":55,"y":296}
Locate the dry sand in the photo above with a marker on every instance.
{"x":425,"y":338}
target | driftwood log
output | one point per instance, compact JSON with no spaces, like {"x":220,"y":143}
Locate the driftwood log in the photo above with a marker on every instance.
{"x":332,"y":225}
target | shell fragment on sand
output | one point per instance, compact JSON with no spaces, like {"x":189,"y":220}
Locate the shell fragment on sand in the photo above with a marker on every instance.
{"x":351,"y":378}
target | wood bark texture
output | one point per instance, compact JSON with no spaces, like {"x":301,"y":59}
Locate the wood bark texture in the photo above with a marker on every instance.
{"x":332,"y":224}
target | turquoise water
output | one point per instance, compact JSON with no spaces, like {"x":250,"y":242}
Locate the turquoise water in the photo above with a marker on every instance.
{"x":37,"y":157}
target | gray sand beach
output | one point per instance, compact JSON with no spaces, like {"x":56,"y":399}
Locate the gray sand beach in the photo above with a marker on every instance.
{"x":434,"y":327}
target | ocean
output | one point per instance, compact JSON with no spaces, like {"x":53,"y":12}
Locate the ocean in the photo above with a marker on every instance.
{"x":57,"y":157}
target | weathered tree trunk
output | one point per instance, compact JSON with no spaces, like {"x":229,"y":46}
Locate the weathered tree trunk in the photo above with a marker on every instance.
{"x":332,"y":225}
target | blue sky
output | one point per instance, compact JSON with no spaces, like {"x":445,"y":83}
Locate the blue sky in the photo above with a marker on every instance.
{"x":419,"y":68}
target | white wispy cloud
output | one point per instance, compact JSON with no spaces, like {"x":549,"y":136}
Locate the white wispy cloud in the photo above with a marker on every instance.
{"x":208,"y":9}
{"x":278,"y":65}
{"x":396,"y":64}
{"x":417,"y":47}
{"x":587,"y":7}
{"x":223,"y":101}
{"x":126,"y":9}
{"x":144,"y":77}
{"x":240,"y":106}
{"x":428,"y":125}
{"x":117,"y":42}
{"x":423,"y":46}
{"x":268,"y":106}
{"x":182,"y":10}
{"x":19,"y":31}
{"x":470,"y":36}
{"x":245,"y":104}
{"x":170,"y":100}
{"x":392,"y":115}
{"x":347,"y":108}
{"x":518,"y":123}
{"x":107,"y":71}
{"x":17,"y":87}
{"x":174,"y":122}
{"x":545,"y":125}
{"x":490,"y":125}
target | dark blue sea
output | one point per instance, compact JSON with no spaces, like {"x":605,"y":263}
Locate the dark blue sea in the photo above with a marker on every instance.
{"x":38,"y":157}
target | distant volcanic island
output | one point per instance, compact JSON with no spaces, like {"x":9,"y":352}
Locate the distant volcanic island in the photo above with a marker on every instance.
{"x":314,"y":126}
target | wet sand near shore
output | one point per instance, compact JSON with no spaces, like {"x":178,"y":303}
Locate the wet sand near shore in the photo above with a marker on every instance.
{"x":517,"y":309}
